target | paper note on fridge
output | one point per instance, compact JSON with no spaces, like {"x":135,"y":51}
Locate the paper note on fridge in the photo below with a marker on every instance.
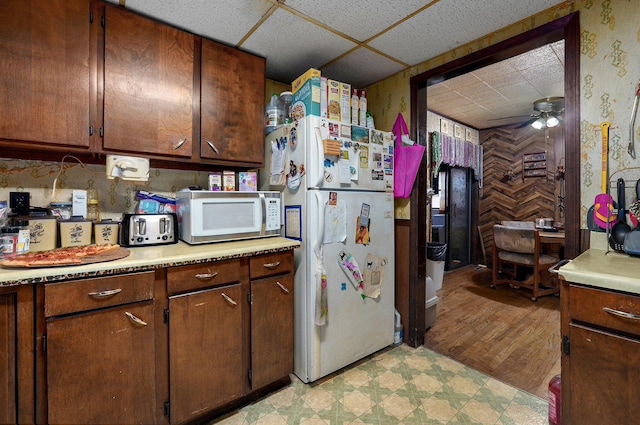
{"x":335,"y":222}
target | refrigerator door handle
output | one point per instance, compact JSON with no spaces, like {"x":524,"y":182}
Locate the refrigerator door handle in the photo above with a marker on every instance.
{"x":319,"y":164}
{"x":320,"y":209}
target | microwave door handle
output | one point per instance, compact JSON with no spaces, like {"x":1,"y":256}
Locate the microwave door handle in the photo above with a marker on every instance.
{"x":263,"y":207}
{"x":319,"y":164}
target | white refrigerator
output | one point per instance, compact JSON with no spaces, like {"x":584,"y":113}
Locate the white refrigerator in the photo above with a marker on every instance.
{"x":337,"y":184}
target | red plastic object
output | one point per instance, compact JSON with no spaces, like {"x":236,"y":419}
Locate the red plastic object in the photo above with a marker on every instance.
{"x":555,"y":401}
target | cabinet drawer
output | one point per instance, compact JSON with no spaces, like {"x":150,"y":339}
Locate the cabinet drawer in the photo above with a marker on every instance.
{"x":82,"y":295}
{"x":271,"y":264}
{"x":205,"y":275}
{"x":590,"y":305}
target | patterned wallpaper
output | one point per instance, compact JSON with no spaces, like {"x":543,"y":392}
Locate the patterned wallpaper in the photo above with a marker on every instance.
{"x":115,"y":196}
{"x":609,"y":72}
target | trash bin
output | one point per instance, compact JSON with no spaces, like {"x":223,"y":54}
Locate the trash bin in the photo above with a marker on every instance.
{"x":436,"y":255}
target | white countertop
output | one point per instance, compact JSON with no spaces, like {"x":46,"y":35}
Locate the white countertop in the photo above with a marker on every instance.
{"x":148,"y":258}
{"x":604,"y":268}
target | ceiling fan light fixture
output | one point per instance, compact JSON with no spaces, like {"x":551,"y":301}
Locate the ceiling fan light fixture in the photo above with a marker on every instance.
{"x":539,"y":124}
{"x":552,"y":121}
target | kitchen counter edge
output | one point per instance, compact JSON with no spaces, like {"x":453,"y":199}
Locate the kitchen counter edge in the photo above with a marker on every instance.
{"x":604,"y":269}
{"x":149,"y":258}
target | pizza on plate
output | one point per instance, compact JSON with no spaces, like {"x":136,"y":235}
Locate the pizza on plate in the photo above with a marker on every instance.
{"x":70,"y":255}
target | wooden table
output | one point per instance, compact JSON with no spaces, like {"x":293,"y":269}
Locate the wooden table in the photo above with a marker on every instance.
{"x":552,"y":237}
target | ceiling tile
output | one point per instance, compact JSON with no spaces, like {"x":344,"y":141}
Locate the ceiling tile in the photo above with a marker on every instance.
{"x":472,"y":19}
{"x":360,"y":19}
{"x":286,"y":59}
{"x":223,"y":21}
{"x":349,"y":68}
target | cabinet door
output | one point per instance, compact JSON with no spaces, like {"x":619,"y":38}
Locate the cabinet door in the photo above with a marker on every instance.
{"x":271,"y":329}
{"x":101,"y":366}
{"x":17,"y":355}
{"x":148,"y":86}
{"x":8,"y":360}
{"x":205,"y":351}
{"x":604,"y":377}
{"x":232,"y":109}
{"x":44,"y":82}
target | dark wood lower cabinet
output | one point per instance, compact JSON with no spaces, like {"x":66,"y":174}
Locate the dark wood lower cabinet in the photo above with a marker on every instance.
{"x":271,"y":329}
{"x":176,"y":345}
{"x":100,"y":350}
{"x":16,"y":355}
{"x":205,"y":351}
{"x":101,"y":366}
{"x":601,"y":355}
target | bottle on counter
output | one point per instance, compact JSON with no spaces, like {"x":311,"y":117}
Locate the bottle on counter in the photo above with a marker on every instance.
{"x":93,"y":210}
{"x":93,"y":207}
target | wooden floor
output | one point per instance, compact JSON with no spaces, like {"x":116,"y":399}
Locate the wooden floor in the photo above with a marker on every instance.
{"x":499,"y":332}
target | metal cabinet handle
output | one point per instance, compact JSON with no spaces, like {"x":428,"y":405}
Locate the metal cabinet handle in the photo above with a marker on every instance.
{"x":213,"y":147}
{"x":104,"y":294}
{"x":281,"y":286}
{"x":229,"y":300}
{"x":621,"y":313}
{"x":271,"y":265}
{"x":135,"y":320}
{"x":179,"y":144}
{"x":206,"y":276}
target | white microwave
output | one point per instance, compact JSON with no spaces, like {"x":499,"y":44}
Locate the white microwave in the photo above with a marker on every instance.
{"x":206,"y":216}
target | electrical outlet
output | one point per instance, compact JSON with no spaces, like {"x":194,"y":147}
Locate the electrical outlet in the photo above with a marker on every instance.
{"x":19,"y":202}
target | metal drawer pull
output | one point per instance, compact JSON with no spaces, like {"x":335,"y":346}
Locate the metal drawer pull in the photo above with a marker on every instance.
{"x":104,"y":294}
{"x":206,"y":276}
{"x":228,"y":299}
{"x":135,"y":320}
{"x":621,"y":313}
{"x":272,"y":265}
{"x":213,"y":147}
{"x":281,"y":286}
{"x":179,"y":144}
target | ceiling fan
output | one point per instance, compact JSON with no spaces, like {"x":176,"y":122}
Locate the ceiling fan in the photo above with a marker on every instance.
{"x":548,"y":113}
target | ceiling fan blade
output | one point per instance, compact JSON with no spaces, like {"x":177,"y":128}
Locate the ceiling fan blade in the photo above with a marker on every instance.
{"x":527,"y":123}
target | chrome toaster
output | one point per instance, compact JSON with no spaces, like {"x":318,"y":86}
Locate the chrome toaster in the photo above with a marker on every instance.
{"x":148,"y":229}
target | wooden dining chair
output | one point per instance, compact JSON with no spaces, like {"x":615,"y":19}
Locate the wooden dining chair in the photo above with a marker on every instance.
{"x":516,"y":247}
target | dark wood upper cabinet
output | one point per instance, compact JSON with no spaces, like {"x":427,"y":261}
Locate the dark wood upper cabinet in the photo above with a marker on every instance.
{"x":232,"y":110}
{"x":45,"y":76}
{"x":148,"y":86}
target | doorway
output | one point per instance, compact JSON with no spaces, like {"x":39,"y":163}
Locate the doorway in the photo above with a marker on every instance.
{"x":566,"y":28}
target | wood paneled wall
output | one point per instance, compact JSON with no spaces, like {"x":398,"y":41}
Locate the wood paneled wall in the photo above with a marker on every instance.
{"x":505,"y":195}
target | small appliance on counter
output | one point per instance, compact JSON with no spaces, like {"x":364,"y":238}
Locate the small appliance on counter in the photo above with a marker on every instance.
{"x":208,"y":216}
{"x":148,"y":229}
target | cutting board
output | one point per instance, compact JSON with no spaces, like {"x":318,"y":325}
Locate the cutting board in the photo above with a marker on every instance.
{"x":116,"y":254}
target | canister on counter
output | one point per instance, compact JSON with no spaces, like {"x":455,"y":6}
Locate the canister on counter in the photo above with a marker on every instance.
{"x":75,"y":232}
{"x":43,"y":232}
{"x":106,"y":232}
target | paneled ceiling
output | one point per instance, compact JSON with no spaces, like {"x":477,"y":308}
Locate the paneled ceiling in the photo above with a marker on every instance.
{"x":365,"y":41}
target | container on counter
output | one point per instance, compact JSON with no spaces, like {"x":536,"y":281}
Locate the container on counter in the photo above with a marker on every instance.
{"x":15,"y":238}
{"x":43,"y":232}
{"x":61,"y":210}
{"x":106,"y":232}
{"x":93,"y":210}
{"x":75,"y":232}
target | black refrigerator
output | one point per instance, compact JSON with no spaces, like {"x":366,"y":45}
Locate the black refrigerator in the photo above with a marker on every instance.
{"x":454,"y":189}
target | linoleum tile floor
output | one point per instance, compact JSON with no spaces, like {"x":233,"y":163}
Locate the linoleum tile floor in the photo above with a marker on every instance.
{"x":396,"y":386}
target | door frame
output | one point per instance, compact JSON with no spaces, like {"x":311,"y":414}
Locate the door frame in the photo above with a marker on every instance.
{"x":566,"y":28}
